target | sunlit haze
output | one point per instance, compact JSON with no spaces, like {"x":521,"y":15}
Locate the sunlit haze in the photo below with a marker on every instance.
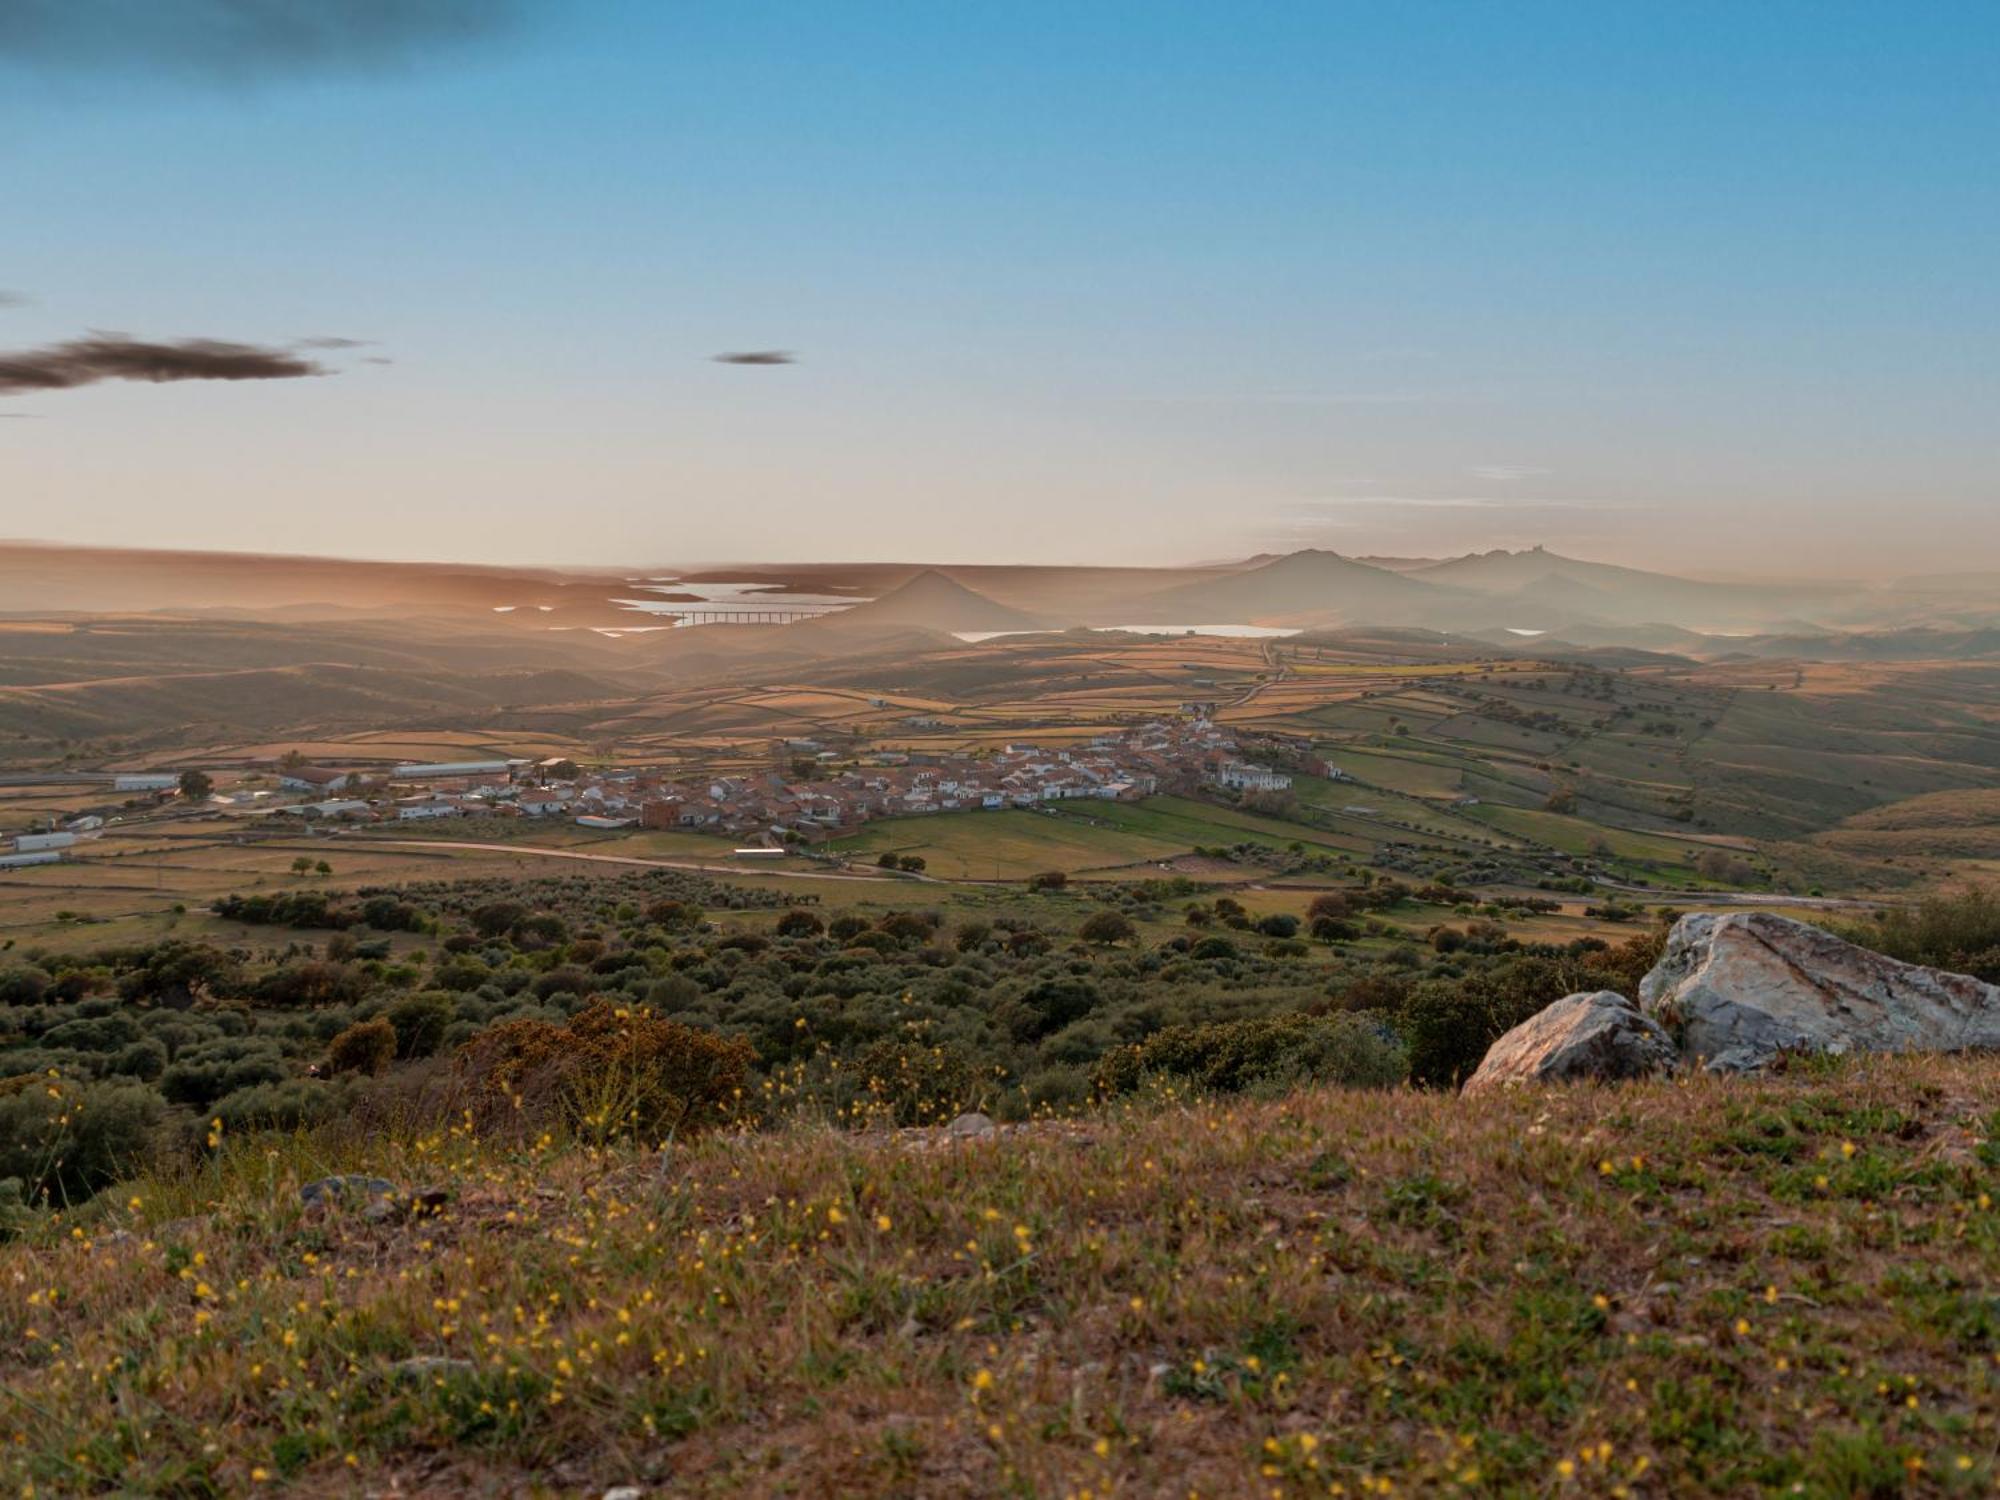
{"x":1700,"y":287}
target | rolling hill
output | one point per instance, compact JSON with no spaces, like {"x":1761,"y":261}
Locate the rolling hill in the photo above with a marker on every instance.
{"x":1309,"y":587}
{"x":1630,"y":596}
{"x":930,"y":601}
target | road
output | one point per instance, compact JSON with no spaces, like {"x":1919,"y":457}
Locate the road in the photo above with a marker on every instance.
{"x":739,"y":870}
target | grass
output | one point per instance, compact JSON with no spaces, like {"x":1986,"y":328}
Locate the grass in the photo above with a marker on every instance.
{"x":1008,"y":844}
{"x":1668,"y":1289}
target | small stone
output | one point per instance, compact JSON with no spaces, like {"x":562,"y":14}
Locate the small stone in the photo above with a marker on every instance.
{"x":624,"y":1492}
{"x":347,"y":1188}
{"x":970,"y":1126}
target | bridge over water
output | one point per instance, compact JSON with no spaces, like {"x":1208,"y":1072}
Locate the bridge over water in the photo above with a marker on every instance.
{"x":759,"y":615}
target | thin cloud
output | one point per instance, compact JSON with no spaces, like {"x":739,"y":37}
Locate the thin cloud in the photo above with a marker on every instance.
{"x":331,"y":343}
{"x":1290,"y":398}
{"x":1505,"y":473}
{"x":757,"y":357}
{"x":1460,"y":502}
{"x":13,"y":299}
{"x":244,"y":38}
{"x":111,"y":356}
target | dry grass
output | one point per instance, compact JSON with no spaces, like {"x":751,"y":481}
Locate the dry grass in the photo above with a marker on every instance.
{"x":1668,"y":1289}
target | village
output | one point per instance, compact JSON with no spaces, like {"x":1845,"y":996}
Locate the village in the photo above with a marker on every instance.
{"x":811,"y":793}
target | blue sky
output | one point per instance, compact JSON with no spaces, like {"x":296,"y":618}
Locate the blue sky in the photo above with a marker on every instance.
{"x":1677,"y":284}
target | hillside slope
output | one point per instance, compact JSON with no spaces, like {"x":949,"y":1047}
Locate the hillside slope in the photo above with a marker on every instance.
{"x":1710,"y":1287}
{"x":931,"y":601}
{"x":1309,"y":587}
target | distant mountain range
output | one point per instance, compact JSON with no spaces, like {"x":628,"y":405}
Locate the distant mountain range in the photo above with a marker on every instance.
{"x":1309,"y":587}
{"x":1498,"y":596}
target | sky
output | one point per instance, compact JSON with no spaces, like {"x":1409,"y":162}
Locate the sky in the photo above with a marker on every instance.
{"x":1700,"y":286}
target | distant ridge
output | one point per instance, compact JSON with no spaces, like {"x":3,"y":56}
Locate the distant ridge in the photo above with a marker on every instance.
{"x":1629,"y":596}
{"x":1305,"y":586}
{"x":932,"y":601}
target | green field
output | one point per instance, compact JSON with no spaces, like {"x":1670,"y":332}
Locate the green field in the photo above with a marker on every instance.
{"x":1006,"y":845}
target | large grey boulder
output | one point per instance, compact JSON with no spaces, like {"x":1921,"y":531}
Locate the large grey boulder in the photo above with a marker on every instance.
{"x":1597,"y":1035}
{"x":1737,"y":990}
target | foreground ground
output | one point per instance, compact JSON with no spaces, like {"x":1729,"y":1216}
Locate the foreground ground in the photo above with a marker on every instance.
{"x":1668,"y":1289}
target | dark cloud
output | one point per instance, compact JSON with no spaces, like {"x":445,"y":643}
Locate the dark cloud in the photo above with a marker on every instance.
{"x":244,"y":38}
{"x":758,"y":357}
{"x":111,"y":356}
{"x":13,"y":299}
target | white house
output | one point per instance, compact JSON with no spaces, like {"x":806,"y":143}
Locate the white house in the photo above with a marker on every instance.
{"x":418,"y":770}
{"x":428,"y":807}
{"x":145,"y":781}
{"x":314,"y":779}
{"x":1240,"y":775}
{"x":542,"y":800}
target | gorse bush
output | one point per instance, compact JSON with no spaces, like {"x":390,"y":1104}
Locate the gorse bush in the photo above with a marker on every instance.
{"x":608,"y":1071}
{"x":917,"y":1080}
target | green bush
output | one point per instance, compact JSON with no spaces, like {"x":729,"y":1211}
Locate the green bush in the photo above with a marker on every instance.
{"x":420,"y":1023}
{"x":206,"y":1071}
{"x":918,"y":1081}
{"x":1958,"y":931}
{"x":365,"y":1047}
{"x":1264,"y":1052}
{"x":1107,"y":927}
{"x":65,"y":1140}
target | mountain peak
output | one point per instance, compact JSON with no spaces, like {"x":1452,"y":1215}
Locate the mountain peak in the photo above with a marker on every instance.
{"x":934,"y":600}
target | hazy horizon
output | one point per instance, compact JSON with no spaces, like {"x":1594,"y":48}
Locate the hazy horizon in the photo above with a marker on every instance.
{"x":1700,"y":291}
{"x":646,"y":567}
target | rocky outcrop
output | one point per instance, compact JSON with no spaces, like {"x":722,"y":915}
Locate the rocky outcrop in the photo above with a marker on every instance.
{"x":1737,"y":990}
{"x":1599,"y":1035}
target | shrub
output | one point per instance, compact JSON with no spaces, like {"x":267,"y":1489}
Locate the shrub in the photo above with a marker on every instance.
{"x":176,"y":974}
{"x":919,"y":1082}
{"x":23,"y":986}
{"x":1047,"y":1006}
{"x":497,"y":918}
{"x":365,"y":1047}
{"x":1048,"y":880}
{"x":1107,"y":927}
{"x":313,"y":982}
{"x":606,"y":1072}
{"x":65,"y":1140}
{"x":800,"y":923}
{"x":205,"y":1072}
{"x":420,"y":1023}
{"x":1266,"y":1052}
{"x":291,"y":1105}
{"x":1959,"y":931}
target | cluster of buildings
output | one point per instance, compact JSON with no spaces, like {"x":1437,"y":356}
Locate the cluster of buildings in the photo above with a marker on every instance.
{"x":821,"y":793}
{"x":50,"y":847}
